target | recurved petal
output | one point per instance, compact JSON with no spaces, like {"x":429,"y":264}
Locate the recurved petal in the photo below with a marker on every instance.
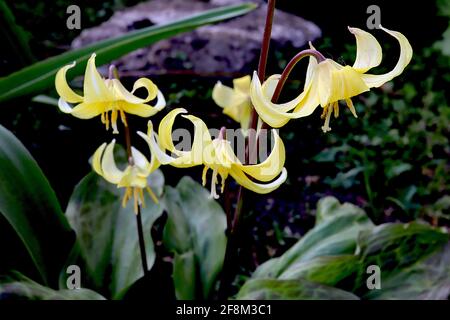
{"x":84,"y":110}
{"x":142,"y":109}
{"x":163,"y":158}
{"x":140,"y":161}
{"x":62,"y":87}
{"x":277,"y":115}
{"x":165,"y":131}
{"x":152,"y":89}
{"x":373,"y":81}
{"x":202,"y":138}
{"x":96,"y":159}
{"x":368,"y":50}
{"x":123,"y":94}
{"x":110,"y":171}
{"x":272,"y":166}
{"x":95,"y":88}
{"x":262,"y":188}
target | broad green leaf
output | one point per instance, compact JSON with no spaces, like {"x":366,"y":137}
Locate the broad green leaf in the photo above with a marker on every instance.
{"x":426,"y":280}
{"x":335,"y":233}
{"x":300,"y":289}
{"x":327,"y":270}
{"x":394,"y":247}
{"x":23,"y":288}
{"x":41,"y":75}
{"x":30,"y":205}
{"x":405,"y":254}
{"x":107,"y":232}
{"x":195,"y":232}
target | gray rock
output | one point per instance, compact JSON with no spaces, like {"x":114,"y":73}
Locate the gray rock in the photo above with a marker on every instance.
{"x":228,"y":47}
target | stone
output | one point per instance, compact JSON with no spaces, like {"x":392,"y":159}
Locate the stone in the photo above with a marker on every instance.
{"x":229,"y":47}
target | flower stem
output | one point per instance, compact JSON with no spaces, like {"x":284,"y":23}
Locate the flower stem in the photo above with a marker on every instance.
{"x":141,"y":240}
{"x":113,"y":73}
{"x":229,"y":265}
{"x":287,"y":71}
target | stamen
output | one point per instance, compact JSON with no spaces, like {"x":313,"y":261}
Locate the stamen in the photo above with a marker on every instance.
{"x":126,"y":197}
{"x":222,"y":186}
{"x":351,"y":107}
{"x":326,"y":126}
{"x":152,"y":195}
{"x":114,"y":121}
{"x":106,"y":120}
{"x":336,"y":109}
{"x":123,"y":117}
{"x":205,"y":171}
{"x":141,"y":197}
{"x":213,"y":185}
{"x":324,"y":112}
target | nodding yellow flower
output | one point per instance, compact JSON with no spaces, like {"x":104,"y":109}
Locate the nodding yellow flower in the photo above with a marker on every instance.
{"x":235,"y":101}
{"x":133,"y":178}
{"x":102,"y":96}
{"x":328,"y":82}
{"x":217,"y":155}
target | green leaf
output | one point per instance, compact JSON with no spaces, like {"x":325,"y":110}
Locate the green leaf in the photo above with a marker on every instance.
{"x":395,"y":247}
{"x":107,"y":234}
{"x":335,"y":233}
{"x":195,"y":231}
{"x":23,"y":288}
{"x":31,"y":207}
{"x":41,"y":75}
{"x":327,"y":270}
{"x":300,"y":289}
{"x":426,"y":280}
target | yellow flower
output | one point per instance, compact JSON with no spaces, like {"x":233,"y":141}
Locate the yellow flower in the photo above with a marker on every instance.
{"x":328,"y":82}
{"x":104,"y":95}
{"x":235,"y":101}
{"x":217,"y":155}
{"x":133,"y":178}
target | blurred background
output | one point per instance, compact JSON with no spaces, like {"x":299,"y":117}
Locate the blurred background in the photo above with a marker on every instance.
{"x":393,"y":160}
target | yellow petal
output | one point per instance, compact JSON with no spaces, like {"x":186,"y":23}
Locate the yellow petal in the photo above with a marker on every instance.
{"x":276,"y":115}
{"x":140,"y":161}
{"x":242,"y":84}
{"x":202,"y":138}
{"x":346,"y":83}
{"x":368,"y":51}
{"x":144,"y":110}
{"x":123,"y":94}
{"x":232,"y":101}
{"x":373,"y":81}
{"x":95,"y":89}
{"x":152,"y":140}
{"x":166,"y":125}
{"x":84,"y":110}
{"x":110,"y":171}
{"x":222,"y":95}
{"x":262,"y":188}
{"x":96,"y":159}
{"x":245,"y":115}
{"x":272,"y":166}
{"x":62,"y":87}
{"x":132,"y":178}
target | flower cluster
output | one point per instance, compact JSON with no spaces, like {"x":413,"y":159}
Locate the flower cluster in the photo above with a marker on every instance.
{"x":326,"y":84}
